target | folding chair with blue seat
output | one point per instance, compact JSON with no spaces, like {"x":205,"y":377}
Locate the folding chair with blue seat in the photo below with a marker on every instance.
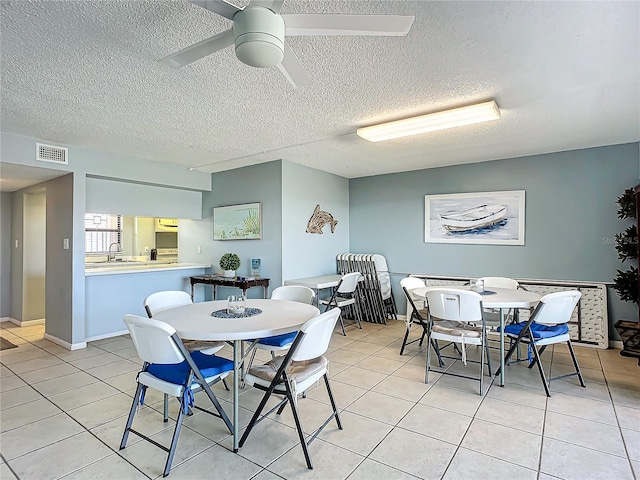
{"x":547,"y":326}
{"x":169,"y":368}
{"x":276,"y":343}
{"x":292,"y":374}
{"x":164,"y":300}
{"x":457,"y":316}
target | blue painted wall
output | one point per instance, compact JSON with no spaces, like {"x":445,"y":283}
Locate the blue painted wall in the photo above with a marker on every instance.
{"x":571,"y":218}
{"x":306,"y":254}
{"x":257,"y":183}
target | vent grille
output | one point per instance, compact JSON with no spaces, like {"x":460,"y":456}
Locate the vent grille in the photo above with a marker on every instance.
{"x":50,"y":153}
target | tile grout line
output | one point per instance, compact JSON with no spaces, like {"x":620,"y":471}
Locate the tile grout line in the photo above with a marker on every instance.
{"x":72,"y":418}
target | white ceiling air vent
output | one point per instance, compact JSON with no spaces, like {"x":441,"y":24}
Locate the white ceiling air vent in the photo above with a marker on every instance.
{"x":51,"y":153}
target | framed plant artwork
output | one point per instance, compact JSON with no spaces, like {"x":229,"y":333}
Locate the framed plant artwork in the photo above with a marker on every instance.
{"x":493,"y":218}
{"x":238,"y":222}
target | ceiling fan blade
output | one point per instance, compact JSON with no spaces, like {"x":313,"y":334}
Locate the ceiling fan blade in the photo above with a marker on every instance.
{"x":199,"y":50}
{"x":338,"y":24}
{"x":218,"y":6}
{"x":274,"y":5}
{"x":292,"y":69}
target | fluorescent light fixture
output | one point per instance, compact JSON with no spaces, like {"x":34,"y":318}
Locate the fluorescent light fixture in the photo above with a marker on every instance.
{"x":482,"y":112}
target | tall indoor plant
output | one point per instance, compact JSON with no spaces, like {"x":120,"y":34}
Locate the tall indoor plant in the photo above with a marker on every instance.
{"x":626,"y":281}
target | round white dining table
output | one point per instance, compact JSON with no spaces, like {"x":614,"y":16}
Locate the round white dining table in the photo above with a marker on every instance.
{"x":195,"y":322}
{"x":503,"y":299}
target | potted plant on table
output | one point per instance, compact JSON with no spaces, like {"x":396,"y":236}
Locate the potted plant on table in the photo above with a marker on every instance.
{"x":229,"y":262}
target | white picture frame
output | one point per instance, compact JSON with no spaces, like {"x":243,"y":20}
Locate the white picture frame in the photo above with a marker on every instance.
{"x":490,"y":218}
{"x":238,"y":222}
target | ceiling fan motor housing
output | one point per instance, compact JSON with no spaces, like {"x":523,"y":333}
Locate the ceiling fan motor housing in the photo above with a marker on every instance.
{"x":259,"y":36}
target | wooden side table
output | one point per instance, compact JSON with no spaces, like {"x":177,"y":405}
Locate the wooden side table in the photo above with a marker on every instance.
{"x":238,"y":282}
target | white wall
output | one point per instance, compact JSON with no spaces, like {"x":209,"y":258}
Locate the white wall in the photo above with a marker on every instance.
{"x":34,"y":252}
{"x":124,"y":198}
{"x":5,"y":254}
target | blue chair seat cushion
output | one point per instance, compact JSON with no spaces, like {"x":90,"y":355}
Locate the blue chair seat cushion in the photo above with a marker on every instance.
{"x":539,"y":331}
{"x":279,"y":340}
{"x":178,"y":373}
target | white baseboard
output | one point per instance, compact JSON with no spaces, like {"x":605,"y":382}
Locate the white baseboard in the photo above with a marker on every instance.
{"x":615,"y":344}
{"x":27,"y":323}
{"x":7,"y":319}
{"x":106,"y":335}
{"x":62,"y":343}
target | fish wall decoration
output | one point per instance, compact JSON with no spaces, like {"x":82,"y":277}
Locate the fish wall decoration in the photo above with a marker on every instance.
{"x":319,"y":219}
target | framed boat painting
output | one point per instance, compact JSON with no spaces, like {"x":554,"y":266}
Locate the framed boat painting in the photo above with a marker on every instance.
{"x":491,"y":218}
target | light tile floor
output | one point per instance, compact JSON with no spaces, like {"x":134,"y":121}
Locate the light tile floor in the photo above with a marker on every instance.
{"x":62,"y":416}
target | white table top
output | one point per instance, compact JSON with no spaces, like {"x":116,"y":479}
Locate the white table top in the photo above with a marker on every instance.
{"x":194,"y":321}
{"x":503,"y":298}
{"x":317,"y":283}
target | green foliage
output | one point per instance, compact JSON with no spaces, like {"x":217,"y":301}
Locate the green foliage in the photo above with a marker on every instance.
{"x":626,"y":284}
{"x":627,"y":244}
{"x":627,"y":204}
{"x":229,"y":261}
{"x":252,"y":223}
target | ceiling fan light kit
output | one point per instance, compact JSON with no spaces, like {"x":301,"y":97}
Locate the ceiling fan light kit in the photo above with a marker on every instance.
{"x":259,"y":32}
{"x":259,"y":37}
{"x":457,"y":117}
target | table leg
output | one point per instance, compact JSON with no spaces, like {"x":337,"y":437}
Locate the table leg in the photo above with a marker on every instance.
{"x":236,"y":386}
{"x":214,"y":293}
{"x":502,"y":347}
{"x":193,"y":285}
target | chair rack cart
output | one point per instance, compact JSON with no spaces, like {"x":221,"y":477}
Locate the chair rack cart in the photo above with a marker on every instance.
{"x":374,"y":294}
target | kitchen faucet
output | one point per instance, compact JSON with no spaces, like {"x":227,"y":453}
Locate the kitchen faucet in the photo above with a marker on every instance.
{"x":118,"y":249}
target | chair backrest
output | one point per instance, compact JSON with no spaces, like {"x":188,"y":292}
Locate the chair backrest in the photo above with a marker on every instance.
{"x":411,"y":283}
{"x":348,"y":282}
{"x":318,"y":333}
{"x":500,"y":282}
{"x":556,"y":308}
{"x":161,"y":301}
{"x":380,"y":263}
{"x":412,"y":311}
{"x":152,"y":339}
{"x":294,"y":293}
{"x":457,"y":305}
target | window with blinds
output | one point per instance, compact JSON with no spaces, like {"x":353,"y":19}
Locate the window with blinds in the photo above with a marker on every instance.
{"x":100,"y":231}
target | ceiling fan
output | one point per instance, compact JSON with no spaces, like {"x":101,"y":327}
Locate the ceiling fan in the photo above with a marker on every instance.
{"x":259,"y":31}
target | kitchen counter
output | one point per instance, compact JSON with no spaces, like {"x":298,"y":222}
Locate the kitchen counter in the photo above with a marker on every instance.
{"x":115,"y":289}
{"x":119,"y":268}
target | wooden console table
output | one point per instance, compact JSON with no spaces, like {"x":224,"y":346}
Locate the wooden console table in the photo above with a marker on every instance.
{"x":238,"y":282}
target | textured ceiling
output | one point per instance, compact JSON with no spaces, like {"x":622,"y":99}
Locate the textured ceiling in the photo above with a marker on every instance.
{"x":85,"y":73}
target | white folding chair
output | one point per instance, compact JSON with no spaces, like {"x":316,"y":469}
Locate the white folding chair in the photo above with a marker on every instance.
{"x":291,"y":375}
{"x":547,"y":326}
{"x":459,"y":312}
{"x":171,"y":369}
{"x":160,"y":301}
{"x":293,"y":293}
{"x":164,"y":300}
{"x":384,"y":278}
{"x":344,"y":295}
{"x":492,"y":316}
{"x":409,"y":284}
